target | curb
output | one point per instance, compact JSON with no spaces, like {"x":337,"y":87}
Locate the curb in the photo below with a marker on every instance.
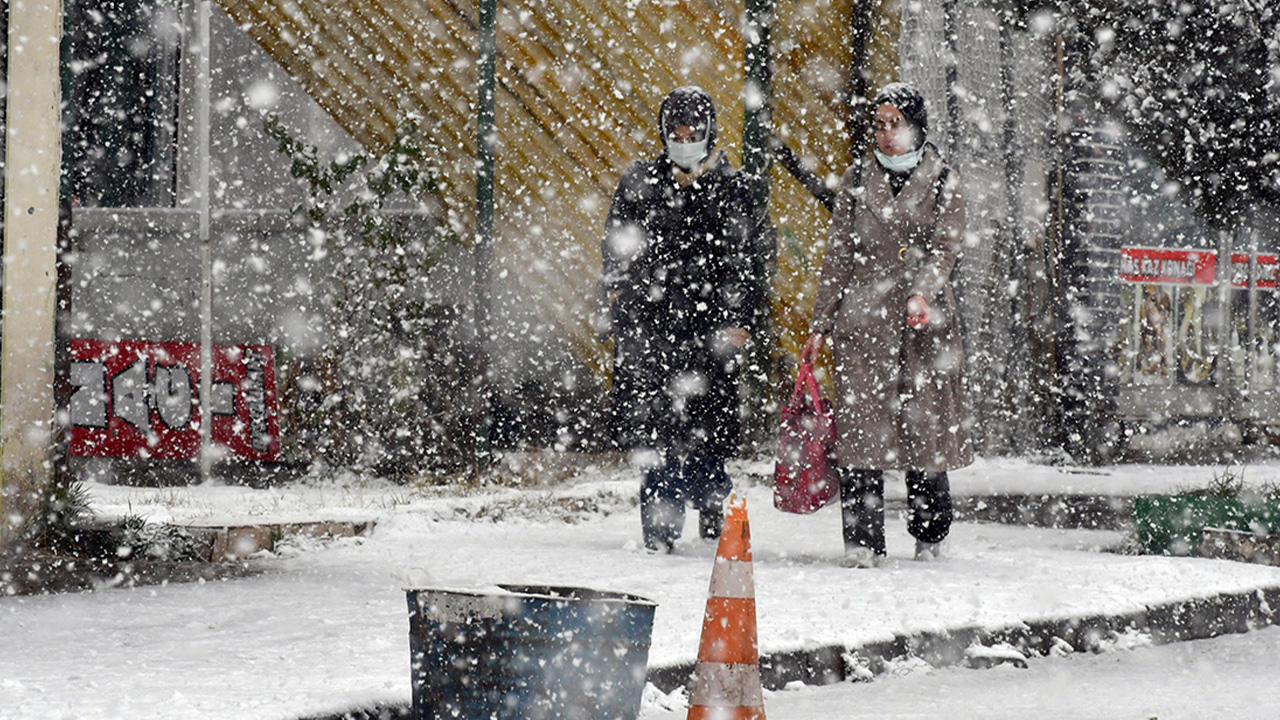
{"x":1086,"y":512}
{"x":1192,"y":619}
{"x":1050,"y":510}
{"x":230,"y":543}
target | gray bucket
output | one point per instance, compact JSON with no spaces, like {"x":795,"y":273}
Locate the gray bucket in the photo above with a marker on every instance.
{"x":528,"y":653}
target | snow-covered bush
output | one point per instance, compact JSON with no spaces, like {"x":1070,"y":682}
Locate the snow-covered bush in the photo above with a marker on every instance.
{"x":386,"y":391}
{"x":63,"y":507}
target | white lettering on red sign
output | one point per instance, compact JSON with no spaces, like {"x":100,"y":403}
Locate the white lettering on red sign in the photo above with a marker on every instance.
{"x":1263,"y":271}
{"x":141,"y":399}
{"x":1169,"y":267}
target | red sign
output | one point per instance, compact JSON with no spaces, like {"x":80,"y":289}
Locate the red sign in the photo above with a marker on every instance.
{"x":141,"y":399}
{"x":1264,"y":271}
{"x":1160,"y":266}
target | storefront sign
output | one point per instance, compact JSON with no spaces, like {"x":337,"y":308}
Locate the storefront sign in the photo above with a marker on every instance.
{"x":1161,"y":266}
{"x":1264,"y":271}
{"x":141,"y":399}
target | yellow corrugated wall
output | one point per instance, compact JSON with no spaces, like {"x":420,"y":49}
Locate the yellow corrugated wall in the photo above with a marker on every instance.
{"x":812,"y":57}
{"x":579,"y":84}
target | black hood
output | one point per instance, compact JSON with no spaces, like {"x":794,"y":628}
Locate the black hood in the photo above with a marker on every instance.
{"x":688,"y":105}
{"x":909,"y":101}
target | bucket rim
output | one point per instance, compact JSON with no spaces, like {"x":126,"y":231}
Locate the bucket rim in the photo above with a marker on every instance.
{"x":536,"y":591}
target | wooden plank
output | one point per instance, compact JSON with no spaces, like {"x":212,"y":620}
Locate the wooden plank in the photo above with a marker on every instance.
{"x":547,"y":105}
{"x":560,"y":74}
{"x":322,"y":28}
{"x":277,"y":30}
{"x":607,"y":47}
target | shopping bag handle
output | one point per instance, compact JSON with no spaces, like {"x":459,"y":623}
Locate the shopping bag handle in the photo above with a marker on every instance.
{"x":805,"y":379}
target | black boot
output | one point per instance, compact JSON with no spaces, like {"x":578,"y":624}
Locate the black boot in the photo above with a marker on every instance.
{"x":862,"y":513}
{"x":710,"y":523}
{"x":929,"y":500}
{"x":708,"y":485}
{"x":662,"y":505}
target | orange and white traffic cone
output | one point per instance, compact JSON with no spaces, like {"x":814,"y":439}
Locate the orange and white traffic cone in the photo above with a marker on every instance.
{"x":726,"y":680}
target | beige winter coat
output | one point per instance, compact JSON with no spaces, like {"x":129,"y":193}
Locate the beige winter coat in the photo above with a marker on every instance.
{"x":900,"y":400}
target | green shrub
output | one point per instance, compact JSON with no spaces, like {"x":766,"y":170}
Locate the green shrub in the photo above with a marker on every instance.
{"x":387,"y":391}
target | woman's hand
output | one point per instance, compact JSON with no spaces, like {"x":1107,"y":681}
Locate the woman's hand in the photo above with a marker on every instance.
{"x":918,"y":314}
{"x":812,"y":346}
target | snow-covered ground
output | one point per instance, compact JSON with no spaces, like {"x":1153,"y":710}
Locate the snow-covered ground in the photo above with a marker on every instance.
{"x":1231,"y":676}
{"x":325,"y":627}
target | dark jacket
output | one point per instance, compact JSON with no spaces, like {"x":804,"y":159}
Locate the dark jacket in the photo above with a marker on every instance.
{"x":676,"y":273}
{"x":900,"y":397}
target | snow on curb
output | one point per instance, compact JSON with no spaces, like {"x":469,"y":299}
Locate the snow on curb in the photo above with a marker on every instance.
{"x":1191,"y":619}
{"x":1178,"y":621}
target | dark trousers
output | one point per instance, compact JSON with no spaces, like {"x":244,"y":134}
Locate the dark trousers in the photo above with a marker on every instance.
{"x":697,"y":479}
{"x":862,"y":507}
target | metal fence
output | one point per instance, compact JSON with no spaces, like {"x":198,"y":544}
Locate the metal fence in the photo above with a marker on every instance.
{"x":989,"y":88}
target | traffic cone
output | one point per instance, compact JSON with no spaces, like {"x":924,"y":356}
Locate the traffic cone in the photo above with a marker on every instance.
{"x":726,"y":680}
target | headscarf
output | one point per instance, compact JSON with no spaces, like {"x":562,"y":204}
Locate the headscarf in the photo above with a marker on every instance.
{"x":909,"y":101}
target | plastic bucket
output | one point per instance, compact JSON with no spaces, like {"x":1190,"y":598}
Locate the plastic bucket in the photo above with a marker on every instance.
{"x":528,"y":652}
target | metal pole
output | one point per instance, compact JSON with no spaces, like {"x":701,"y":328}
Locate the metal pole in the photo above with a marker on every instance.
{"x":483,"y":251}
{"x":1253,"y":346}
{"x":757,"y":161}
{"x":856,"y":115}
{"x":952,"y":66}
{"x":1056,"y":358}
{"x":1018,"y":394}
{"x":757,"y":94}
{"x":62,"y":388}
{"x":202,"y":150}
{"x":1224,"y":370}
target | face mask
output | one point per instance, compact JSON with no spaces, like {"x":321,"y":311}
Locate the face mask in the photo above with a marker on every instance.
{"x":686,"y":155}
{"x":900,"y":163}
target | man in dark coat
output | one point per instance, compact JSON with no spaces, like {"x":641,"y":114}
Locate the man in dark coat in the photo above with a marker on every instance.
{"x":675,"y":294}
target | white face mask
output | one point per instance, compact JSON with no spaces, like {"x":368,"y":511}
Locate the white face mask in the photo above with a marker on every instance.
{"x":900,"y":163}
{"x":686,"y":155}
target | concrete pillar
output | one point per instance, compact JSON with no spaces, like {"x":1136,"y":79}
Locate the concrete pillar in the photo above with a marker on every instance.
{"x":30,"y":258}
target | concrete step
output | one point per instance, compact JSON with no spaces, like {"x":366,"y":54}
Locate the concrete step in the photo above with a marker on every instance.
{"x":228,"y":543}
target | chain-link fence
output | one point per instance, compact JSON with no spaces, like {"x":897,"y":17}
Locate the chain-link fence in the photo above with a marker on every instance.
{"x":990,"y":90}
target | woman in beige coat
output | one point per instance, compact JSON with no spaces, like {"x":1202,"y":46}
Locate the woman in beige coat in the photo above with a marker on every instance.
{"x":885,"y":298}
